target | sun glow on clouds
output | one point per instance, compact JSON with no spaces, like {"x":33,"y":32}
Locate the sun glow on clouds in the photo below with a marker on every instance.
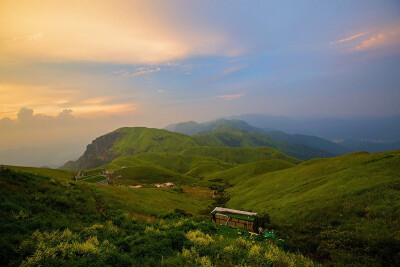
{"x":51,"y":101}
{"x":349,"y":38}
{"x":102,"y":31}
{"x":378,"y":39}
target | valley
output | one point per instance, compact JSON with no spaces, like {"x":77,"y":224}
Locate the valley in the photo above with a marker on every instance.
{"x":322,"y":208}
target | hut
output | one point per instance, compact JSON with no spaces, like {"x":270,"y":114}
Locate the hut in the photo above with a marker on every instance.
{"x":169,"y":184}
{"x":235,"y":218}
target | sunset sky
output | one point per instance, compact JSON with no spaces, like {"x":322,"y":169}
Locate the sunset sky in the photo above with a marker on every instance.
{"x":98,"y":65}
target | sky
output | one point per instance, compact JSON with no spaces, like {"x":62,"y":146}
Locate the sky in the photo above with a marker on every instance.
{"x":71,"y":70}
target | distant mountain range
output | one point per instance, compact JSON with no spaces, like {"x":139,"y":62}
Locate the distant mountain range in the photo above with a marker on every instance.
{"x":220,"y":134}
{"x":386,"y":129}
{"x":240,"y":133}
{"x":371,"y":135}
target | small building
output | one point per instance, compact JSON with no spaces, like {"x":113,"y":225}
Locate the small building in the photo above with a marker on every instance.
{"x":235,"y":218}
{"x":169,"y":184}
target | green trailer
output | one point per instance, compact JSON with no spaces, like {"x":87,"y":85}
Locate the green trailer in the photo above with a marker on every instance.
{"x":235,"y":218}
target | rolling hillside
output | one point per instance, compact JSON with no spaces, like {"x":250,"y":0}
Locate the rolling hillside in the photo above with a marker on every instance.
{"x":340,"y":211}
{"x":238,"y":155}
{"x":229,"y":136}
{"x":296,"y":145}
{"x":59,"y":222}
{"x":244,"y":172}
{"x":129,"y":141}
{"x":192,"y":127}
{"x":182,"y":169}
{"x":310,"y":141}
{"x":344,"y":209}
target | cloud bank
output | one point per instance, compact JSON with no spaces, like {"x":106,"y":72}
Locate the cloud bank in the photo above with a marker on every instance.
{"x":31,"y":130}
{"x":104,"y":31}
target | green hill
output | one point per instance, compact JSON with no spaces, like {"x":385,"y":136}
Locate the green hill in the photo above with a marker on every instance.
{"x":340,"y":211}
{"x":344,"y":209}
{"x":57,"y":222}
{"x":192,"y":127}
{"x":140,"y":140}
{"x":296,"y":145}
{"x":245,"y":171}
{"x":238,"y":155}
{"x":129,"y":141}
{"x":309,"y":141}
{"x":148,"y":174}
{"x":230,"y":136}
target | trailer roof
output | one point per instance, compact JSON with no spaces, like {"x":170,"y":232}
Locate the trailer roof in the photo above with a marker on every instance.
{"x":231,"y":211}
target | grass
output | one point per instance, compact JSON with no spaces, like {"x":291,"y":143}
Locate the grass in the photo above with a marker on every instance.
{"x":341,"y":211}
{"x":54,"y":173}
{"x":231,"y":136}
{"x":54,"y":222}
{"x":150,"y":144}
{"x":236,"y":155}
{"x":353,"y":197}
{"x":245,"y":171}
{"x":137,"y":140}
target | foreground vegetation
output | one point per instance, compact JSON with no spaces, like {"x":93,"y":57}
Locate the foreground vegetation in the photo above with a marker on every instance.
{"x":336,"y":211}
{"x":58,"y":222}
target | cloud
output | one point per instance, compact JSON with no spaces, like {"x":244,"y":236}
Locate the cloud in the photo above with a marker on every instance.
{"x":374,"y":41}
{"x":160,"y":91}
{"x":122,"y":31}
{"x":380,"y":39}
{"x":233,"y":69}
{"x":349,"y":38}
{"x":230,"y":97}
{"x":137,"y":72}
{"x":50,"y":100}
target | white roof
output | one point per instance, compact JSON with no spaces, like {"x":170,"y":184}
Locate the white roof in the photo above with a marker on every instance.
{"x":225,"y":210}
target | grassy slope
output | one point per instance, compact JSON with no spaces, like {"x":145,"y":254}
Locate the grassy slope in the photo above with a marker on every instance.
{"x":53,"y":173}
{"x":238,"y":155}
{"x":195,"y":162}
{"x":355,"y":194}
{"x":319,"y":182}
{"x":137,"y":140}
{"x":235,"y":137}
{"x":53,"y":222}
{"x":174,"y":162}
{"x":244,"y":172}
{"x":153,"y":174}
{"x":129,"y":141}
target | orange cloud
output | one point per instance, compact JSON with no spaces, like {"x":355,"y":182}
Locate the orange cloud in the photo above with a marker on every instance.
{"x":374,"y":41}
{"x":50,"y":101}
{"x":230,"y":97}
{"x":349,"y":38}
{"x":385,"y":39}
{"x":102,"y":31}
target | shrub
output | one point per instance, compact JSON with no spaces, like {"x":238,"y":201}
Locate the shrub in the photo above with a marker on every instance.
{"x":199,"y":238}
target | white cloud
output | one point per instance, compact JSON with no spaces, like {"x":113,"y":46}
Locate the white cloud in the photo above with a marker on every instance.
{"x":230,"y":97}
{"x":138,"y":71}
